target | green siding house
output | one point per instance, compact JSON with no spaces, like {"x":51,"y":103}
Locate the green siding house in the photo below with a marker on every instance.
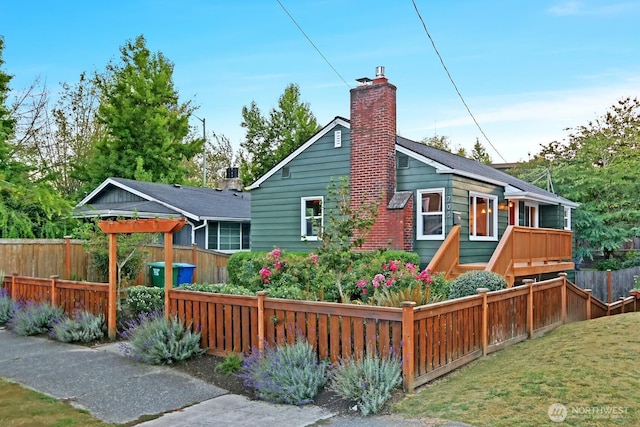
{"x":427,"y":192}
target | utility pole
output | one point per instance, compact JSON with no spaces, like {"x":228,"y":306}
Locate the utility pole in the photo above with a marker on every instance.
{"x":204,"y":151}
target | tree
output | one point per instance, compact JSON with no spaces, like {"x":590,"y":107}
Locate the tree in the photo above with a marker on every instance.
{"x":29,"y":207}
{"x":479,"y":153}
{"x":599,"y":167}
{"x":144,"y":123}
{"x":270,"y":139}
{"x":443,"y":143}
{"x":345,"y":231}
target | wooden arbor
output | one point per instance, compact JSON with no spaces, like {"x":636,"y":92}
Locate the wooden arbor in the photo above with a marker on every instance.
{"x":113,"y":228}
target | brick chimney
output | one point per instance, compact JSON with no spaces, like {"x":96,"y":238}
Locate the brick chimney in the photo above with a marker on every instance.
{"x":373,"y":160}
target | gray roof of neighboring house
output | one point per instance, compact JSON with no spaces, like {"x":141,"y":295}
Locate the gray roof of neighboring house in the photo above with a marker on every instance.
{"x":463,"y":165}
{"x":166,"y":199}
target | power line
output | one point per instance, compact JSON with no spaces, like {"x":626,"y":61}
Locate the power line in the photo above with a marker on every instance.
{"x":454,"y":83}
{"x":313,"y":44}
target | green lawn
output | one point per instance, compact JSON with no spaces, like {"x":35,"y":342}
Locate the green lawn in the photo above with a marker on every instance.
{"x":22,"y":407}
{"x":592,"y":368}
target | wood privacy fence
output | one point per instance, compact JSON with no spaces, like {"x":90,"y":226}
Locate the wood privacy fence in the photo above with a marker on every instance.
{"x":432,"y":339}
{"x":67,"y":259}
{"x":608,"y":285}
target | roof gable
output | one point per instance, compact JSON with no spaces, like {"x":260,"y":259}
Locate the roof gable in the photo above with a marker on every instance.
{"x":192,"y":202}
{"x":337,"y":121}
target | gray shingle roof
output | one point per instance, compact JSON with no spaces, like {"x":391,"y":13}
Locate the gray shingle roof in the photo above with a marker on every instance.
{"x":198,"y":202}
{"x":463,"y":164}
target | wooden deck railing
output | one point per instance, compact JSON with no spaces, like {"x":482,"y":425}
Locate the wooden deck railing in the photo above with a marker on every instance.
{"x":521,"y":252}
{"x":433,"y":339}
{"x":447,"y":257}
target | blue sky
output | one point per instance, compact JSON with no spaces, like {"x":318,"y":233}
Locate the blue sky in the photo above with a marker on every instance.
{"x":527,"y":69}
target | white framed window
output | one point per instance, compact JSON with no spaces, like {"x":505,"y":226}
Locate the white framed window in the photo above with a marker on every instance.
{"x":530,"y":214}
{"x":228,"y":236}
{"x":567,"y":218}
{"x":483,"y":216}
{"x":430,"y":214}
{"x":311,"y":218}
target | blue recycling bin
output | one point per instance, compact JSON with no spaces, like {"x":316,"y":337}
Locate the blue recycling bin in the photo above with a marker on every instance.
{"x":185,"y":272}
{"x":182,"y":273}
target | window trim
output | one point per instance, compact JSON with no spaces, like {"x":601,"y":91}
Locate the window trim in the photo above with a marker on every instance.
{"x":217,"y":224}
{"x":494,"y":202}
{"x":303,"y":218}
{"x":527,"y":206}
{"x":567,"y":218}
{"x":419,"y":214}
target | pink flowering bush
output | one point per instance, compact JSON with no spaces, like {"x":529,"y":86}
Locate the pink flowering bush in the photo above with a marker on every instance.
{"x":306,"y":276}
{"x":392,"y":276}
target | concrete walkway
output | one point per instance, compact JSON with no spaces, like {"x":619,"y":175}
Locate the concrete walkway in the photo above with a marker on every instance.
{"x":118,"y":390}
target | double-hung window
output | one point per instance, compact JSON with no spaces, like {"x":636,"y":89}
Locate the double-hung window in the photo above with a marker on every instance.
{"x":483,"y":216}
{"x":430,"y":214}
{"x":311,"y":218}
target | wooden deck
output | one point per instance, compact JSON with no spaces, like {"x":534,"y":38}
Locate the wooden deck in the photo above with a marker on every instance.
{"x":522,"y":252}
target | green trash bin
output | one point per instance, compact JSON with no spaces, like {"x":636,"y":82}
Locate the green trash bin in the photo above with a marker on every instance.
{"x":156,"y":273}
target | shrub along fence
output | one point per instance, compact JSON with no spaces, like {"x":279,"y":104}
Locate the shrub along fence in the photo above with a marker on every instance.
{"x":432,"y":339}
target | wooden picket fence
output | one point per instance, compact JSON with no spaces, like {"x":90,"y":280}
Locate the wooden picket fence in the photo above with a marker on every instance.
{"x":432,"y":339}
{"x":70,"y":295}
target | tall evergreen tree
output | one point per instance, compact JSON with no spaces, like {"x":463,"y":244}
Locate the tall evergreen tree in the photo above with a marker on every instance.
{"x":479,"y":153}
{"x":270,"y":139}
{"x":145,"y":125}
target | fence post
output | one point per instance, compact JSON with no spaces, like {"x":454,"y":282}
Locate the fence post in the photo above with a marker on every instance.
{"x":529,"y":283}
{"x":564,"y":297}
{"x":588,"y":291}
{"x":14,"y":291}
{"x":54,"y":290}
{"x":67,"y":257}
{"x":609,"y":287}
{"x":261,"y":337}
{"x":194,"y":261}
{"x":485,"y":319}
{"x":621,"y":305}
{"x":408,"y":360}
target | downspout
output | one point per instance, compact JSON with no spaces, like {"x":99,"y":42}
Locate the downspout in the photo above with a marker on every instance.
{"x":193,"y":231}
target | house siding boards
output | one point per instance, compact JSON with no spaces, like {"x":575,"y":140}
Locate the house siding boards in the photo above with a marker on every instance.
{"x":275,"y":204}
{"x":116,"y":195}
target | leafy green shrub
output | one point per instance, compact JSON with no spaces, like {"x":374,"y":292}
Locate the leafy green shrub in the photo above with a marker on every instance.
{"x":402,"y":256}
{"x":608,"y":264}
{"x":155,"y":340}
{"x":232,"y":363}
{"x":82,"y":327}
{"x":7,"y":306}
{"x":34,"y":318}
{"x":286,"y":373}
{"x":440,"y":287}
{"x":145,"y":299}
{"x":217,"y":288}
{"x":368,"y":380}
{"x":632,"y":259}
{"x":467,"y":283}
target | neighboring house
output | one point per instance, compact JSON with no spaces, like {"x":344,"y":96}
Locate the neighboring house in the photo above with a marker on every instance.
{"x":216,"y":219}
{"x":429,"y":194}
